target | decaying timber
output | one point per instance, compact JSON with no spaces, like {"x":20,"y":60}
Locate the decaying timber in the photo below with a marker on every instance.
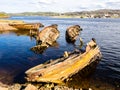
{"x":72,"y":32}
{"x":59,"y":70}
{"x":45,"y":38}
{"x":48,"y":35}
{"x":39,"y":49}
{"x":27,"y":26}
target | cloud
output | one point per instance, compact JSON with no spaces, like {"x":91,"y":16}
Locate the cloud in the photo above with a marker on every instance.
{"x":74,"y":5}
{"x":113,"y":5}
{"x":45,"y":1}
{"x":57,"y":5}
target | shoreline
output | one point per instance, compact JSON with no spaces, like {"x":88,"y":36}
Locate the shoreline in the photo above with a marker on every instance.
{"x":86,"y":84}
{"x":96,"y":86}
{"x":64,"y":16}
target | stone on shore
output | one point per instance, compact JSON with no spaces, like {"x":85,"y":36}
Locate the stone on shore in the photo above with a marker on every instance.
{"x":3,"y":88}
{"x":30,"y":87}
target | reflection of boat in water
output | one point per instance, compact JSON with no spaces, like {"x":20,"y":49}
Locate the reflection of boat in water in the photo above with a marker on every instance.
{"x":39,"y":49}
{"x":20,"y":32}
{"x":61,"y":69}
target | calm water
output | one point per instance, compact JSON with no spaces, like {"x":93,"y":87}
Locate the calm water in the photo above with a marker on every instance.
{"x":16,"y":56}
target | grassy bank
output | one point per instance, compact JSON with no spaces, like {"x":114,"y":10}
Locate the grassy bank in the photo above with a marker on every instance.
{"x":3,"y":15}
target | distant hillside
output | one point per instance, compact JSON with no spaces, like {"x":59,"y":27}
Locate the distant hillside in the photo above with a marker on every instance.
{"x":3,"y":15}
{"x":35,"y":14}
{"x":103,"y":13}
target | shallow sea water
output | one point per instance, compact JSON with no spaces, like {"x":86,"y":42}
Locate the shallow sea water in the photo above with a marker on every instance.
{"x":16,"y":56}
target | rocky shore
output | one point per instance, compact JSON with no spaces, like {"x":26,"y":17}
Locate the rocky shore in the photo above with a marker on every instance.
{"x":40,"y":87}
{"x":86,"y":84}
{"x":10,"y":25}
{"x":4,"y":24}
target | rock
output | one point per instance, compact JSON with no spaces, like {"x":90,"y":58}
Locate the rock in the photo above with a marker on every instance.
{"x":30,"y":87}
{"x":6,"y":26}
{"x":10,"y":25}
{"x":3,"y":88}
{"x":90,"y":88}
{"x":15,"y":87}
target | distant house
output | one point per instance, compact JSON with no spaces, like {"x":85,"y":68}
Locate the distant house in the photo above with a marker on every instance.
{"x":115,"y":15}
{"x":107,"y":16}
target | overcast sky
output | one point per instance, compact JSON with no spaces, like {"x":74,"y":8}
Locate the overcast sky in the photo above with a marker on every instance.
{"x":13,"y":6}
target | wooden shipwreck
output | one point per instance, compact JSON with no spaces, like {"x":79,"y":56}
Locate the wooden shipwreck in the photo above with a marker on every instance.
{"x":61,"y":69}
{"x":39,"y":49}
{"x":45,"y":38}
{"x":72,"y":33}
{"x":27,"y":26}
{"x":48,"y":35}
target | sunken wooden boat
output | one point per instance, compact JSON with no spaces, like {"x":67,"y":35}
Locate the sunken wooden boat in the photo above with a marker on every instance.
{"x":45,"y":38}
{"x":72,"y":33}
{"x":27,"y":26}
{"x":48,"y":35}
{"x":61,"y":69}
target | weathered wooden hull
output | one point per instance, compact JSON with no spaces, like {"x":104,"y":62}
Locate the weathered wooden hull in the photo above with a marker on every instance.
{"x":27,"y":26}
{"x":60,"y":70}
{"x":70,"y":39}
{"x":39,"y":49}
{"x":83,"y":74}
{"x":72,"y":33}
{"x":48,"y":35}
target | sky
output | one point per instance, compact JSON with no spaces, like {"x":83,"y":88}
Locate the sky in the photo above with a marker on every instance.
{"x":18,"y":6}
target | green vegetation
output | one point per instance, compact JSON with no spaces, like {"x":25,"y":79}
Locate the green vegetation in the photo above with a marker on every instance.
{"x":103,"y":13}
{"x":3,"y":15}
{"x":35,"y":14}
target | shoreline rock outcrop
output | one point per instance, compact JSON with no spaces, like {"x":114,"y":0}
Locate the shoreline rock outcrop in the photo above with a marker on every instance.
{"x":9,"y":25}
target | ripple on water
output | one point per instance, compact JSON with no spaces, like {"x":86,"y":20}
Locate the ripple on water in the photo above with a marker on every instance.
{"x":15,"y":54}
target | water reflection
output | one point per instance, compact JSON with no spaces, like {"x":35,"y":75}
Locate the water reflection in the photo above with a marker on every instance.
{"x":16,"y":56}
{"x":31,"y":33}
{"x":40,"y":49}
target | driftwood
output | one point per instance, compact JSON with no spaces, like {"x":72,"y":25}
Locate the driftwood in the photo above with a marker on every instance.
{"x":72,"y":32}
{"x":48,"y":35}
{"x":59,"y":70}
